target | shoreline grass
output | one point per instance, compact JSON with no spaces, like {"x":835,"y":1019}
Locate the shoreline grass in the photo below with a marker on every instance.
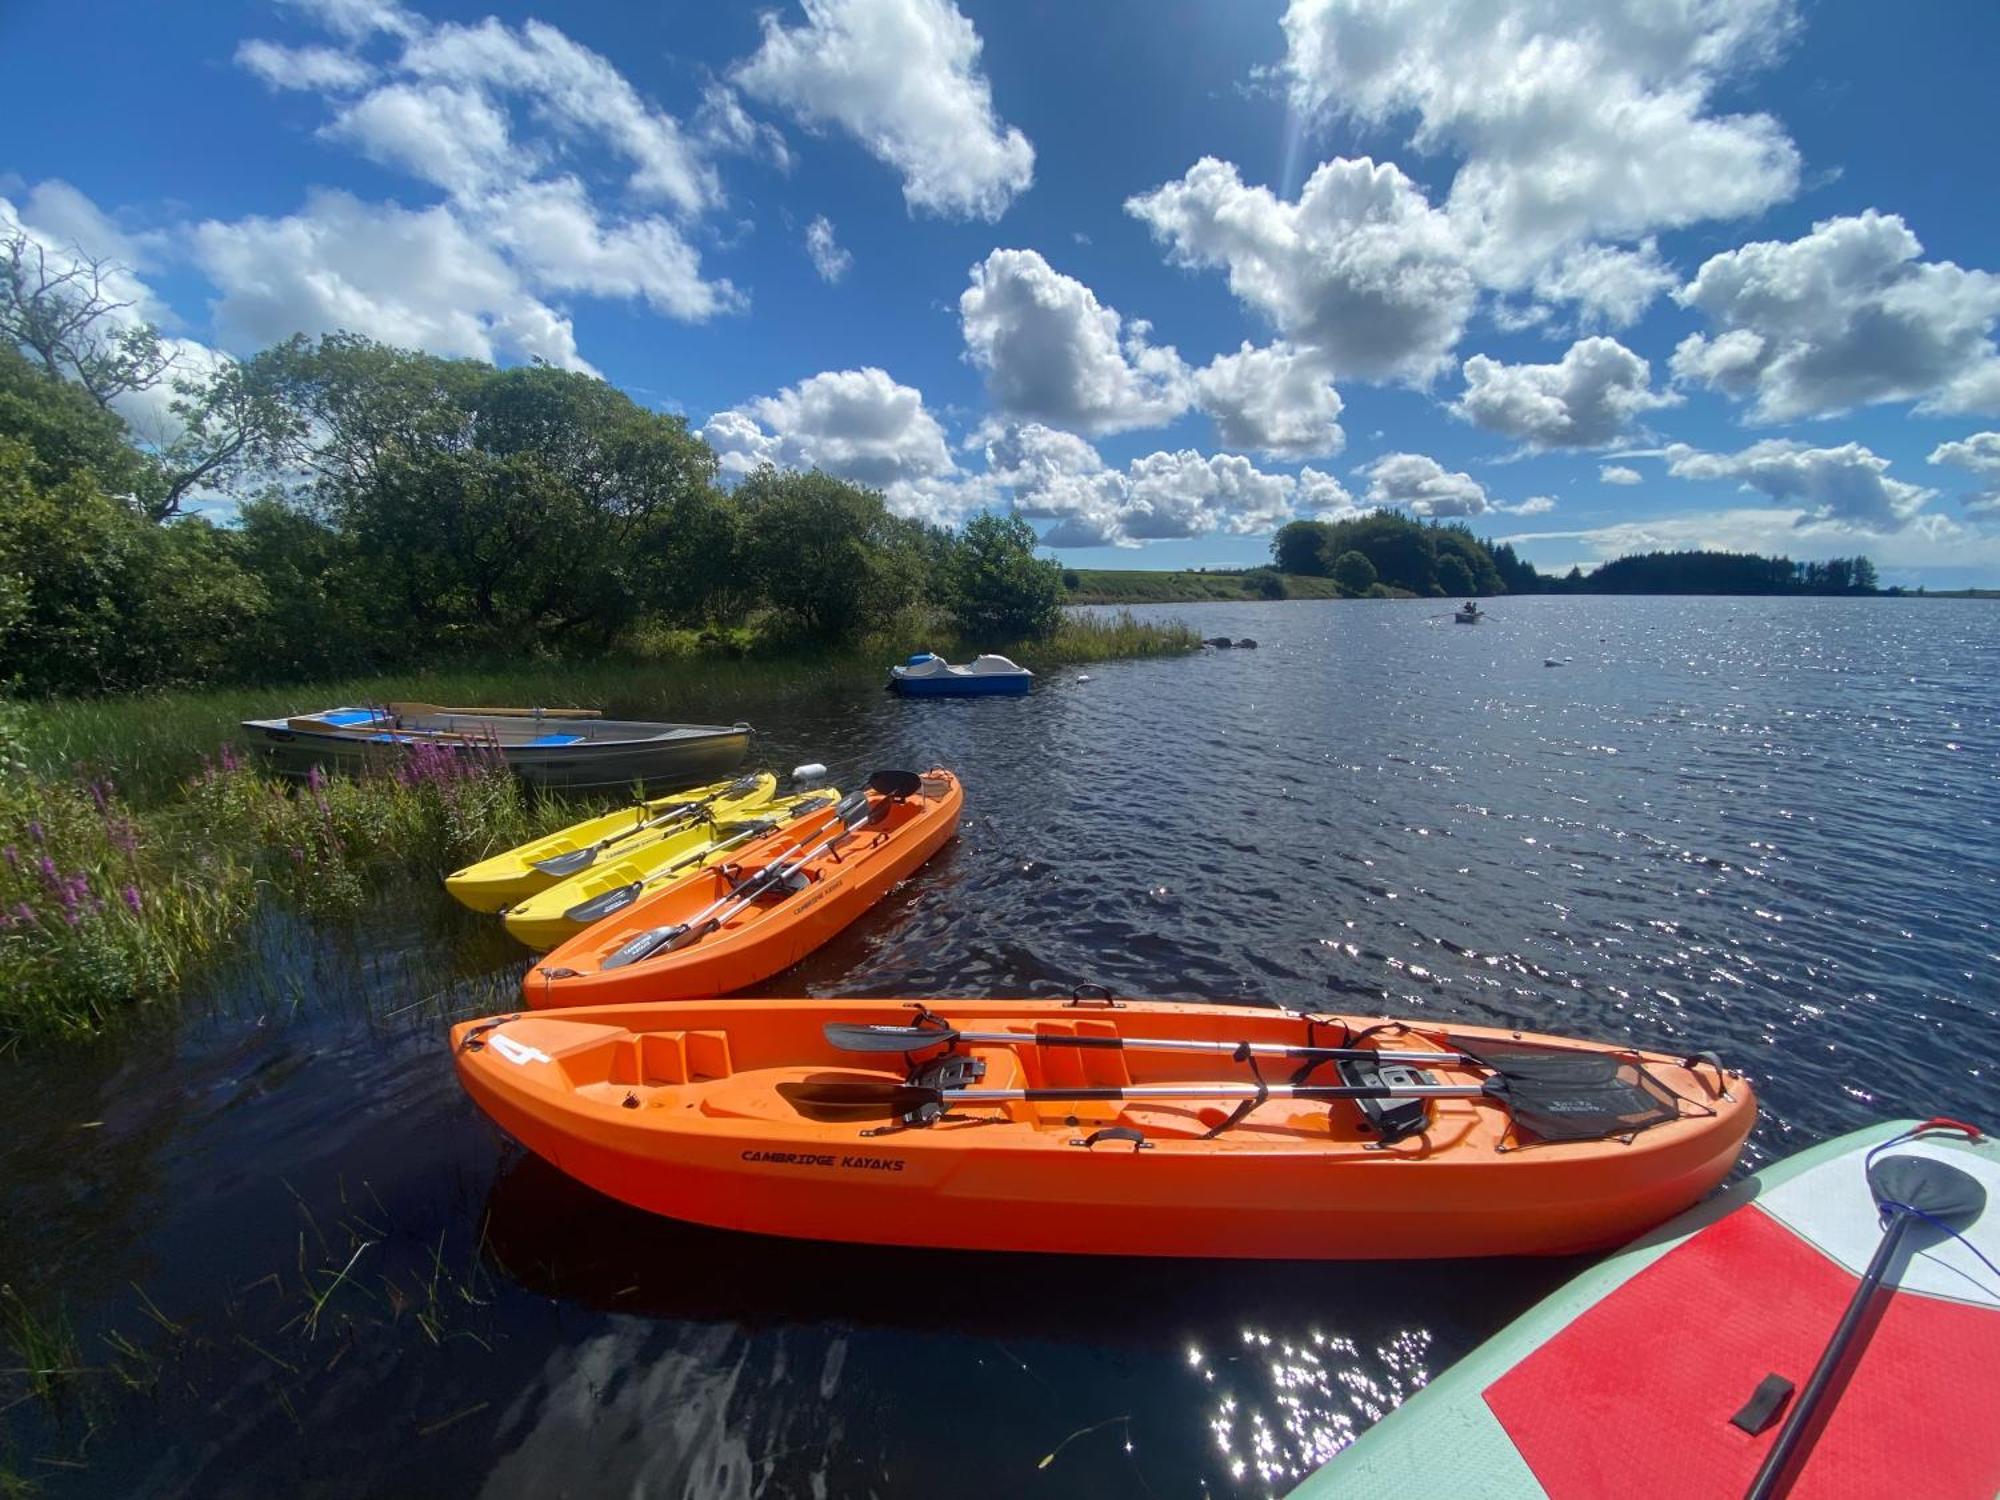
{"x":151,"y":742}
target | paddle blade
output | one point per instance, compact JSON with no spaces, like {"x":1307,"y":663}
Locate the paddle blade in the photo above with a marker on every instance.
{"x":601,"y":906}
{"x":1931,"y":1187}
{"x":855,"y":1038}
{"x":741,"y":787}
{"x":867,"y":1099}
{"x":645,"y":945}
{"x":896,"y":784}
{"x":562,"y":866}
{"x":1570,"y":1093}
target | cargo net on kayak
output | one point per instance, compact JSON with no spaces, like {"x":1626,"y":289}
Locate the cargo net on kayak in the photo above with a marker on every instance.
{"x":1566,"y":1094}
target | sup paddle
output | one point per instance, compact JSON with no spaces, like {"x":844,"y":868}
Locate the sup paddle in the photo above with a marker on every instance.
{"x":619,"y":897}
{"x":563,"y":866}
{"x":1906,"y":1189}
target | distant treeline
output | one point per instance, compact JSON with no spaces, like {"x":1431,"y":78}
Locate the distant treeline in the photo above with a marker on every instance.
{"x":1386,"y":552}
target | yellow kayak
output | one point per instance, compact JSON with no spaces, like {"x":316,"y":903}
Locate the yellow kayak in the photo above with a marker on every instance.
{"x":551,"y":917}
{"x":497,"y":883}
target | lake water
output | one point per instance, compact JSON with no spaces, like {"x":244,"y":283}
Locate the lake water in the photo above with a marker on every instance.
{"x":1765,"y":827}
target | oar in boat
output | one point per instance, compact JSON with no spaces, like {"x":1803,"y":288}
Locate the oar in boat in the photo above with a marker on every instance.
{"x":856,"y":1038}
{"x":564,"y":865}
{"x":418,"y":710}
{"x":853,"y":813}
{"x":619,"y":897}
{"x":1906,"y":1189}
{"x":1582,"y":1096}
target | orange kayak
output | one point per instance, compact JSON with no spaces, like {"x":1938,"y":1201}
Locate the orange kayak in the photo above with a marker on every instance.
{"x":1114,"y":1128}
{"x":727,"y":927}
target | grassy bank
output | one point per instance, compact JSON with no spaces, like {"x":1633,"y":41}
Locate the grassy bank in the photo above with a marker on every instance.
{"x":134,"y":844}
{"x":151,"y":742}
{"x":1138,"y":586}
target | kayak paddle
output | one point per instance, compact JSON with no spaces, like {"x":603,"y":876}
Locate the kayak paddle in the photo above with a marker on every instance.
{"x":564,"y":865}
{"x":619,"y":897}
{"x":852,"y":1038}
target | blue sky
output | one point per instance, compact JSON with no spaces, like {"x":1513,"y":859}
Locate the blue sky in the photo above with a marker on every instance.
{"x":1594,"y":277}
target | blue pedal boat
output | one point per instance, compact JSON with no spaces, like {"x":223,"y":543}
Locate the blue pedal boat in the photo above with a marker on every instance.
{"x":926,"y":675}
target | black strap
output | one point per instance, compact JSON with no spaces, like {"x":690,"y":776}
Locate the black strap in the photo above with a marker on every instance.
{"x":1114,"y":1133}
{"x":1077,"y":997}
{"x":1243,"y":1054}
{"x":475,"y":1039}
{"x":1762,"y":1409}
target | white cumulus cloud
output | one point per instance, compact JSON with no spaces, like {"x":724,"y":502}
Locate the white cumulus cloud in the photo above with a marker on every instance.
{"x":1979,"y":455}
{"x":1276,"y":400}
{"x":1619,"y":474}
{"x":828,"y":258}
{"x":1422,"y":485}
{"x":411,"y":277}
{"x":1845,"y":486}
{"x":903,"y":78}
{"x":859,"y":425}
{"x":1360,"y":269}
{"x":1845,"y":316}
{"x":1053,"y":353}
{"x":1585,"y":400}
{"x":1573,"y":120}
{"x":1057,"y":476}
{"x":324,"y":69}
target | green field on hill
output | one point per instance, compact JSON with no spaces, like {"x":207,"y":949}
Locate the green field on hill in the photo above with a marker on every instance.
{"x":1141,"y":586}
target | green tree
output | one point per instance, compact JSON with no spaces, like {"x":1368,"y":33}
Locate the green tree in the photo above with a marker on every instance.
{"x":1354,"y":572}
{"x":827,"y":554}
{"x":1300,"y":547}
{"x":1000,"y":590}
{"x":98,"y":599}
{"x":64,"y":431}
{"x":1453,"y":576}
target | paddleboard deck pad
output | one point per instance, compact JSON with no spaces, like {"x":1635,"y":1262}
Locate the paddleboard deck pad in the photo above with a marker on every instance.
{"x":1643,"y":1376}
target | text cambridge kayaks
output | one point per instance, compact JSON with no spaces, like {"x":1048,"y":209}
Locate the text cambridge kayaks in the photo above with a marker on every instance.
{"x":1139,"y":1128}
{"x":729,"y":926}
{"x":1801,"y":1334}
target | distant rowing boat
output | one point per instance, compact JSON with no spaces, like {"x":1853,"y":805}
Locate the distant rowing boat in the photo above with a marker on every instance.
{"x":557,"y":749}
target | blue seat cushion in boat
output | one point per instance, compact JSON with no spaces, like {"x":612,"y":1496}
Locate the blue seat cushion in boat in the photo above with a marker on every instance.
{"x":556,"y":739}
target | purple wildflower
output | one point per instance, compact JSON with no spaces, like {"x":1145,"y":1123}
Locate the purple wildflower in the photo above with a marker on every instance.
{"x":227,"y":755}
{"x":46,"y":867}
{"x":25,"y":914}
{"x":99,"y":796}
{"x":36,"y":832}
{"x":315,"y":778}
{"x":124,"y":835}
{"x":12,"y":856}
{"x":131,"y":895}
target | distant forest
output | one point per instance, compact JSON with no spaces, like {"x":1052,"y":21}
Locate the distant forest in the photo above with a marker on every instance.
{"x":1386,"y":553}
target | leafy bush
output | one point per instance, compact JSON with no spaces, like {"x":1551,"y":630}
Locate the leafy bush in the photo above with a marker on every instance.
{"x":1354,"y":572}
{"x":1265,"y":583}
{"x":1000,"y":591}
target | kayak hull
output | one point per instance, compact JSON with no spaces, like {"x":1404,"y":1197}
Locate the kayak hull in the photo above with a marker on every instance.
{"x":499,"y":882}
{"x":766,"y":938}
{"x":1761,"y":1274}
{"x":1294,"y":1181}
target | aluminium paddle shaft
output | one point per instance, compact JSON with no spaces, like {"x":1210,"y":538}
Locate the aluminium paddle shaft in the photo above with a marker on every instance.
{"x":896,"y":1097}
{"x":651,"y":941}
{"x":857,"y":1038}
{"x":620,"y":897}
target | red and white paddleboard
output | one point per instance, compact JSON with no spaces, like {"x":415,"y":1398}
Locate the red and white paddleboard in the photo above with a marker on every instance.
{"x":1625,"y":1383}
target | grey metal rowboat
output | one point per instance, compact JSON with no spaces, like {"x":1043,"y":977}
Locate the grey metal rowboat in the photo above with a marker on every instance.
{"x":560,"y":750}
